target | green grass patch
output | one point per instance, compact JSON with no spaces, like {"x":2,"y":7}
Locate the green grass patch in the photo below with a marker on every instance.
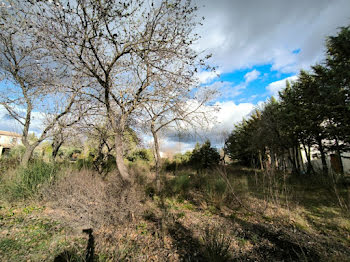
{"x":25,"y":237}
{"x":26,"y":182}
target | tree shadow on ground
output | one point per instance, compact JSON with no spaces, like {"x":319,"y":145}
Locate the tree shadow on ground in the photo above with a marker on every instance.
{"x":71,"y":256}
{"x":190,"y":248}
{"x":271,"y":244}
{"x":268,"y":245}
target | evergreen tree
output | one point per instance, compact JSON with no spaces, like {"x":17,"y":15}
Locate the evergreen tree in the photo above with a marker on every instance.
{"x":204,"y":156}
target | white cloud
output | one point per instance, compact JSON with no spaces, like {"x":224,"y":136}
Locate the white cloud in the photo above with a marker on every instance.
{"x":241,"y":34}
{"x":206,"y":76}
{"x":228,"y":115}
{"x":251,"y":76}
{"x":277,"y":86}
{"x":171,"y":146}
{"x":9,"y":124}
{"x":227,"y":89}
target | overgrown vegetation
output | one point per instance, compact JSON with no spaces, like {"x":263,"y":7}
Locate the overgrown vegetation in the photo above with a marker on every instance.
{"x":25,"y":182}
{"x":86,"y":189}
{"x":199,"y":214}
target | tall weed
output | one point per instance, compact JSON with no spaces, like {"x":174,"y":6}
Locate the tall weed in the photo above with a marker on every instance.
{"x":217,"y":244}
{"x":216,"y":190}
{"x":26,"y":182}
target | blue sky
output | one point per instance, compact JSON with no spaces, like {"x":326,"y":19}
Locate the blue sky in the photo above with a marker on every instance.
{"x":241,"y":90}
{"x":256,"y":46}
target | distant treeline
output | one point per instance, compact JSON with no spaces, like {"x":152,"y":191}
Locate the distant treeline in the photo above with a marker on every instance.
{"x":312,"y":112}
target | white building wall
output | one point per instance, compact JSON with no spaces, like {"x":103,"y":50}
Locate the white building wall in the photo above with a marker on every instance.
{"x":317,"y":162}
{"x":9,"y":140}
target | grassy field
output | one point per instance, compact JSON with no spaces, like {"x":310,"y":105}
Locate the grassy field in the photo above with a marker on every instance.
{"x":236,"y":214}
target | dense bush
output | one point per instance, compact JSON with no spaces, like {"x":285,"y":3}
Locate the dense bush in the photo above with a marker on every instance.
{"x":183,"y":159}
{"x":179,"y":186}
{"x":73,"y":153}
{"x":215,"y":190}
{"x":202,"y":157}
{"x":85,"y":163}
{"x":212,"y":187}
{"x":170,"y":166}
{"x":106,"y":166}
{"x":139,"y":167}
{"x":140,"y":154}
{"x":181,"y":183}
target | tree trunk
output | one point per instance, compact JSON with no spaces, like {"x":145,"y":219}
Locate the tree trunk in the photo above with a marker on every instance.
{"x":118,"y":129}
{"x":292,"y":160}
{"x":157,"y":159}
{"x":339,"y":156}
{"x":261,"y":161}
{"x":57,"y":143}
{"x":297,"y":159}
{"x":300,"y":158}
{"x":323,"y":156}
{"x":307,"y":151}
{"x":28,"y":154}
{"x":55,"y":147}
{"x":273,"y":160}
{"x":122,"y":169}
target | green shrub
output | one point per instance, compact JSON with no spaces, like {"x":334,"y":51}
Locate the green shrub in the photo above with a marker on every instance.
{"x":219,"y":186}
{"x":110,"y":164}
{"x":179,"y":162}
{"x":179,"y":185}
{"x":84,"y":163}
{"x":103,"y":164}
{"x":169,"y":166}
{"x":73,"y":154}
{"x":26,"y":182}
{"x":150,"y":190}
{"x":200,"y":181}
{"x":140,"y":154}
{"x":17,"y":152}
{"x":183,"y":159}
{"x":216,"y":191}
{"x":213,"y":188}
{"x":139,"y":167}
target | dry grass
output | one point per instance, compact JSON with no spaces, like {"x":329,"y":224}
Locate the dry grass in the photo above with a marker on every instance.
{"x":87,"y":200}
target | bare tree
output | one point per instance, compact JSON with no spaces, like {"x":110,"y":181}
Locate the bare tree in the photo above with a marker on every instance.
{"x":31,"y":79}
{"x":121,"y":46}
{"x":66,"y":126}
{"x":98,"y":132}
{"x":178,"y":109}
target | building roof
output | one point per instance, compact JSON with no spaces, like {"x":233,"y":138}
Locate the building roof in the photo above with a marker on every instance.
{"x":7,"y":133}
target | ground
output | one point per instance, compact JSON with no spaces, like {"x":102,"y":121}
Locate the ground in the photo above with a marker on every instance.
{"x":307,"y":227}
